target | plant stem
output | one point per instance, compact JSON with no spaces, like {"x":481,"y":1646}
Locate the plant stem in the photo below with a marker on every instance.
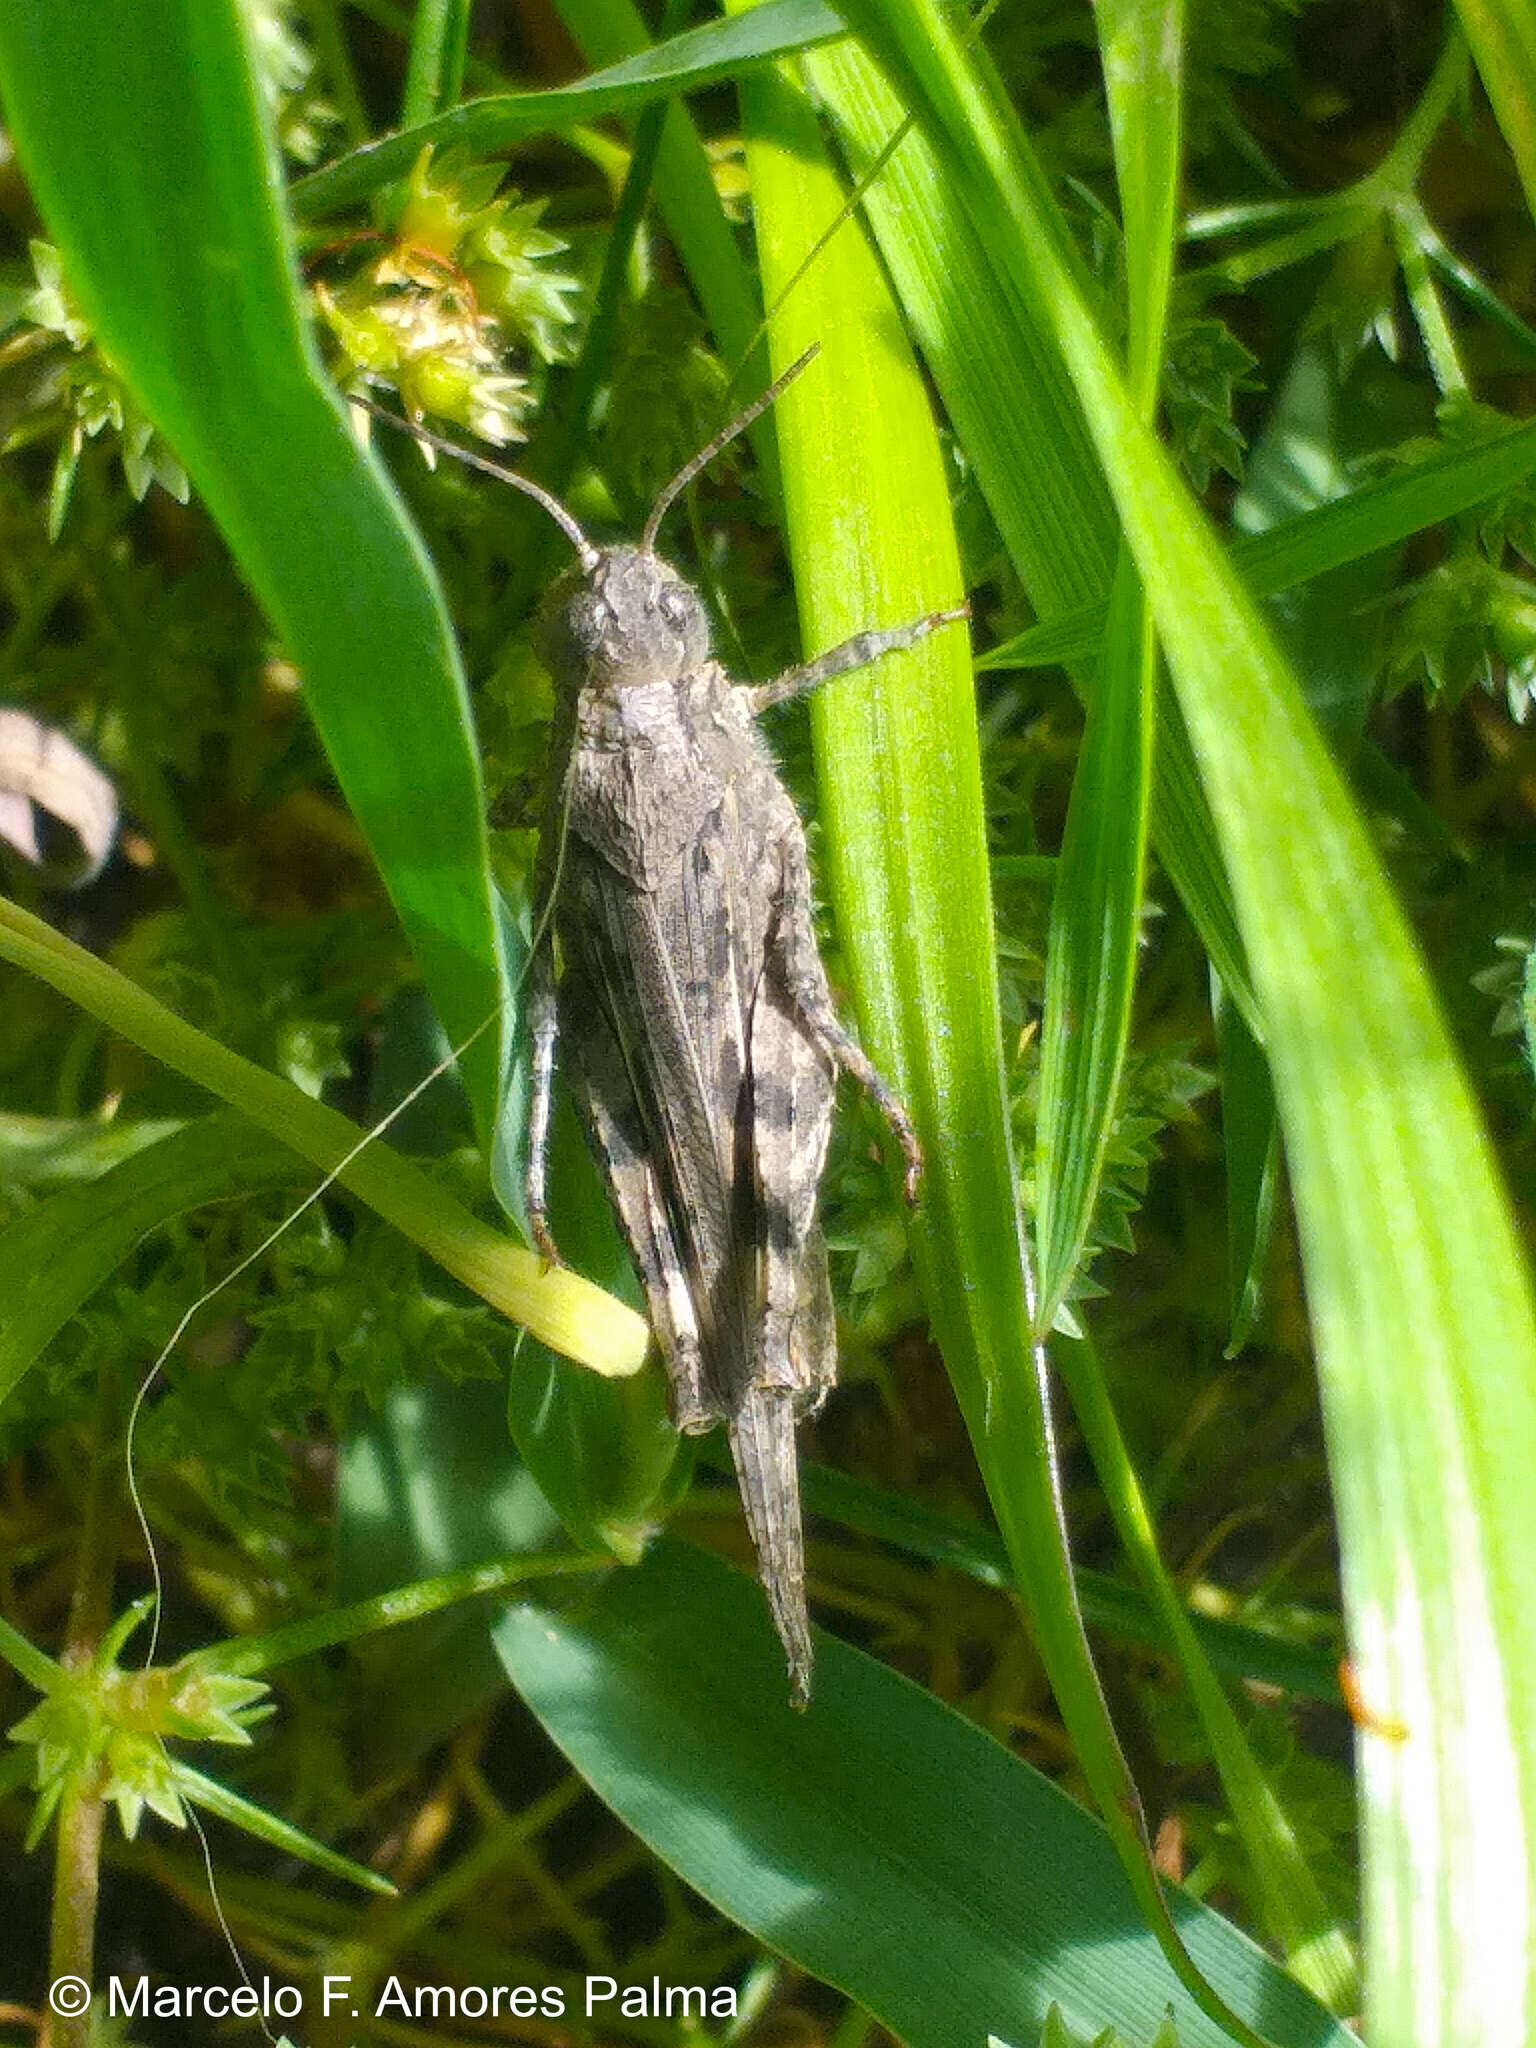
{"x":1398,"y":171}
{"x":72,"y":1940}
{"x":1408,"y":224}
{"x":77,"y":1853}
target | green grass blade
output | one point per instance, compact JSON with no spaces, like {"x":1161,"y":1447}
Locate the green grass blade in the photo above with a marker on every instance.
{"x":557,"y":1305}
{"x":278,"y":1834}
{"x":434,"y":76}
{"x":54,"y":1255}
{"x":1015,"y":414}
{"x":1251,"y":1144}
{"x":1141,"y":49}
{"x":1096,"y":906}
{"x":1502,"y":34}
{"x":1094,"y":934}
{"x":1418,"y":1293}
{"x":1121,"y":1610}
{"x":247,"y":1655}
{"x":880,"y":1841}
{"x":1295,"y":1913}
{"x":901,"y":799}
{"x":1091,"y":969}
{"x":1060,"y":534}
{"x":1329,"y":627}
{"x":1331,"y":536}
{"x":201,"y":314}
{"x":635,"y":75}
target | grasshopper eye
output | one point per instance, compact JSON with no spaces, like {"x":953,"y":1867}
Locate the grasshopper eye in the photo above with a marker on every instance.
{"x":589,"y":615}
{"x":673,"y":606}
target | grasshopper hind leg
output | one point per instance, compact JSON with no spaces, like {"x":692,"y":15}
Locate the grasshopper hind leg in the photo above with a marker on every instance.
{"x":805,"y":979}
{"x":813,"y":1337}
{"x":792,"y":1085}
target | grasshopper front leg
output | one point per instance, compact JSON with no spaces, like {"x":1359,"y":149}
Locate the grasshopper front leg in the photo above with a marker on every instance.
{"x":857,"y":652}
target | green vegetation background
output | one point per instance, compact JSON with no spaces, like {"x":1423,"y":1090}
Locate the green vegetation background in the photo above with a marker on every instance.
{"x":1326,"y":311}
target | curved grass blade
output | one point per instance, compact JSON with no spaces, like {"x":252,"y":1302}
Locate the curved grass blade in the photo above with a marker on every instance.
{"x":199,"y":309}
{"x":566,"y":1311}
{"x":54,"y":1255}
{"x":639,"y":77}
{"x":1419,"y":1296}
{"x":1121,"y":1610}
{"x":1330,"y":536}
{"x":901,"y":799}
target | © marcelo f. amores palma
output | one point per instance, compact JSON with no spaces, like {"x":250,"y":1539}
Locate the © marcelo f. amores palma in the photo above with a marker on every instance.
{"x":143,"y":1998}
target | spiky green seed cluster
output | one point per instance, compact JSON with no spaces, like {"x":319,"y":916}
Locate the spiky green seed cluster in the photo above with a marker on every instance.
{"x":106,"y":1729}
{"x":463,"y":278}
{"x":83,"y":394}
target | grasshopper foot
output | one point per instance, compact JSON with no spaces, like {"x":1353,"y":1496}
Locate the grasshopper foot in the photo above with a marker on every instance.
{"x":543,"y":1243}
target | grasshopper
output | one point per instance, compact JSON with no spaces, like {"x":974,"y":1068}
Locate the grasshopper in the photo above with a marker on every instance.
{"x":691,"y":1006}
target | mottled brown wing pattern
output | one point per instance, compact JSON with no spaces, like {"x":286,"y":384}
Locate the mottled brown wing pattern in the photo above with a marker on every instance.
{"x":710,"y":1102}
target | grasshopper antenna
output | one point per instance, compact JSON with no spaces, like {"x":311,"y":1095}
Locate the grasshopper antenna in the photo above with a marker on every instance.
{"x":723,"y":439}
{"x":586,"y":554}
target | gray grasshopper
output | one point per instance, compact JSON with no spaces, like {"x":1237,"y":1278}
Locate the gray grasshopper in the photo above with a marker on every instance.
{"x":690,"y":1003}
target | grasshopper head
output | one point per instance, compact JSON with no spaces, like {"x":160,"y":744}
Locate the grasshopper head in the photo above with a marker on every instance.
{"x":628,"y":620}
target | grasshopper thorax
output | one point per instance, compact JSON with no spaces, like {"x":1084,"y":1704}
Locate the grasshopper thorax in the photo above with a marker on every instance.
{"x":626,"y":620}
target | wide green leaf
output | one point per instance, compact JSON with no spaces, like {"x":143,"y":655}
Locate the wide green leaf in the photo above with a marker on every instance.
{"x":880,"y":1840}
